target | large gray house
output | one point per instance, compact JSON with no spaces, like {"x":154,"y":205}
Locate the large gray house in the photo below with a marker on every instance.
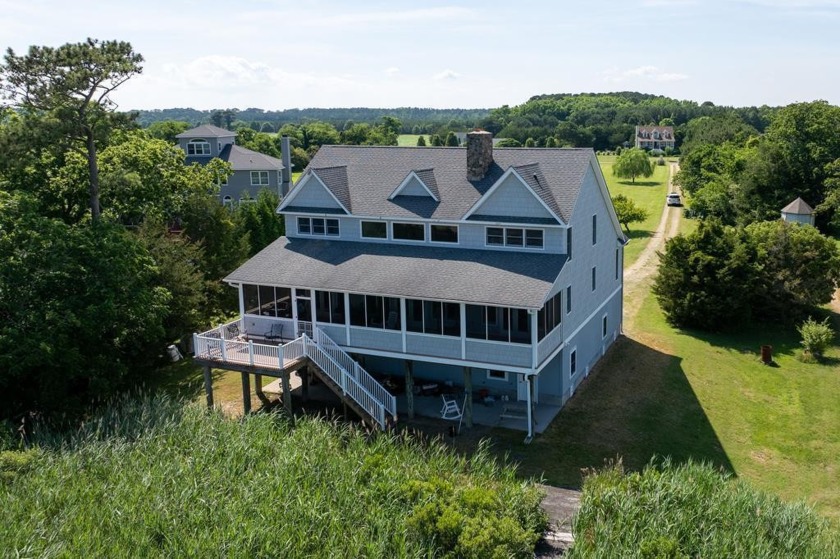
{"x":496,"y":270}
{"x":252,"y":171}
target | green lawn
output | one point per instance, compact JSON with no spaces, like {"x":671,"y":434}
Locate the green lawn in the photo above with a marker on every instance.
{"x":662,"y":391}
{"x":648,"y":193}
{"x":410,"y":139}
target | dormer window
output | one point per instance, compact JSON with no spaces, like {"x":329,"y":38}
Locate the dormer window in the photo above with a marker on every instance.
{"x":198,"y":146}
{"x":317,"y":226}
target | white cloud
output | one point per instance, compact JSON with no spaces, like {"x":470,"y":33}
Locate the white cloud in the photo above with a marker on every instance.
{"x":649,"y":73}
{"x":447,"y":75}
{"x":392,"y":71}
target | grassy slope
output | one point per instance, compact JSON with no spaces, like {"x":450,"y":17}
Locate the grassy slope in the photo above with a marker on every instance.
{"x":648,"y":193}
{"x":410,"y":139}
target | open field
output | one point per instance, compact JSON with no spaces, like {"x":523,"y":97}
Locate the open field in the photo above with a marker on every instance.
{"x":649,"y":193}
{"x":410,"y":139}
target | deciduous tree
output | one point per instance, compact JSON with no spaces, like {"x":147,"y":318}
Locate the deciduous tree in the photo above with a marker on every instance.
{"x":632,"y":163}
{"x":627,"y":211}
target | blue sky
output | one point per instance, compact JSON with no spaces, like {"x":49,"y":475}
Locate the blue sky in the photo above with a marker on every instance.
{"x":278,"y":54}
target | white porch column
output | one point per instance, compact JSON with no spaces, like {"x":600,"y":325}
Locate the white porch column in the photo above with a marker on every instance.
{"x":534,"y":341}
{"x":347,"y":318}
{"x":241,"y":309}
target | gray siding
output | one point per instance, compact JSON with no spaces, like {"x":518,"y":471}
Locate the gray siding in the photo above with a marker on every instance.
{"x":503,"y":354}
{"x":337,"y":333}
{"x":512,"y":198}
{"x":414,"y":188}
{"x":239,"y":186}
{"x":375,"y":339}
{"x":548,"y":344}
{"x":585,"y":256}
{"x":312,"y":194}
{"x":439,"y":346}
{"x":216,"y":144}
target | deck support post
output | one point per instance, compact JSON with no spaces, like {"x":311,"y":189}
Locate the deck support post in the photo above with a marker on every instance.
{"x":208,"y":386}
{"x":305,"y":375}
{"x":258,"y":389}
{"x":409,"y":387}
{"x":468,"y":403}
{"x":246,"y":393}
{"x":530,"y":437}
{"x":287,"y":392}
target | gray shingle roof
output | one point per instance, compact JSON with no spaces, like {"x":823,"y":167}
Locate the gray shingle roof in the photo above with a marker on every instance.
{"x":335,"y":179}
{"x":242,"y":159}
{"x":798,"y":206}
{"x":206,"y":131}
{"x":373,"y":172}
{"x":423,"y":272}
{"x":532,"y":174}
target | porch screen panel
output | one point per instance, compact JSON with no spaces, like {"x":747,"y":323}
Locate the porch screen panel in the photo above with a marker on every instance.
{"x":337,"y":308}
{"x":252,"y":299}
{"x":476,"y":322}
{"x":322,"y":306}
{"x":520,"y":326}
{"x":393,"y":320}
{"x":375,"y":311}
{"x":452,"y":319}
{"x":432,"y":323}
{"x":283,"y":302}
{"x":267,"y":301}
{"x":498,"y":324}
{"x":414,"y":315}
{"x":357,"y":310}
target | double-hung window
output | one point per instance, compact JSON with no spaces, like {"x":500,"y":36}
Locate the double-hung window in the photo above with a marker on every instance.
{"x":317,"y":226}
{"x":514,"y":237}
{"x":259,"y":178}
{"x":198,"y":147}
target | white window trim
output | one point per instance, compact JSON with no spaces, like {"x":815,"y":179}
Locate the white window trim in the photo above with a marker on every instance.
{"x":195,"y":142}
{"x":312,"y":232}
{"x":362,"y":234}
{"x":445,"y":243}
{"x":497,"y":379}
{"x":573,"y":351}
{"x":604,"y":321}
{"x":394,"y":237}
{"x":259,"y":174}
{"x":523,"y":246}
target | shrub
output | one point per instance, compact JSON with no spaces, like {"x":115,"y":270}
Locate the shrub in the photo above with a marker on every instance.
{"x":816,"y":336}
{"x":692,"y":510}
{"x":660,"y":161}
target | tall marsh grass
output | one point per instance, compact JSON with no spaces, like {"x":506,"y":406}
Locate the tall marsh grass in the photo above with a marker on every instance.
{"x":690,"y":510}
{"x":153,"y":477}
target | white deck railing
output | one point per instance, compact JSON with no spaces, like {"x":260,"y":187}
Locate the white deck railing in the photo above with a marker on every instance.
{"x":221,"y":344}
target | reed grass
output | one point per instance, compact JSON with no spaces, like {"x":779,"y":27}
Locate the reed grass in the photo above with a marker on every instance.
{"x":692,"y":510}
{"x":154,"y":477}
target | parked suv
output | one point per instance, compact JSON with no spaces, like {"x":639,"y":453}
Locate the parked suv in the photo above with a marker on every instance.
{"x":673,"y":199}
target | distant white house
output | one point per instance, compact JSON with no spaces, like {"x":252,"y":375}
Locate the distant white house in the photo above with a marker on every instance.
{"x":655,"y":137}
{"x":798,"y":212}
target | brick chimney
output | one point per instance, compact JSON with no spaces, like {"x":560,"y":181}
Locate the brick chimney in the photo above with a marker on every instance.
{"x":479,"y":154}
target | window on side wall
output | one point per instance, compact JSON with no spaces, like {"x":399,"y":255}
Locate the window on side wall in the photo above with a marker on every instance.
{"x":374,"y":230}
{"x":409,"y":231}
{"x":497,"y":375}
{"x":444,"y":233}
{"x":259,"y":178}
{"x":198,"y":147}
{"x":572,"y":362}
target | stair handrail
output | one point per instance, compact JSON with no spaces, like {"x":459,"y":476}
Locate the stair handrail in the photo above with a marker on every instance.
{"x":357,"y":372}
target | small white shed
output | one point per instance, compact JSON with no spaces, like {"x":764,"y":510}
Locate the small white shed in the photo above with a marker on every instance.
{"x":798,"y":212}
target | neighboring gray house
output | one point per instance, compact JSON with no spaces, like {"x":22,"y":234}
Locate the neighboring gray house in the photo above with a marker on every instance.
{"x":798,"y":212}
{"x":496,"y":270}
{"x":252,"y":171}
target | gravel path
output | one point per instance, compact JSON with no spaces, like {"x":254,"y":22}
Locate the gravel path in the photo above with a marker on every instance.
{"x":637,"y":278}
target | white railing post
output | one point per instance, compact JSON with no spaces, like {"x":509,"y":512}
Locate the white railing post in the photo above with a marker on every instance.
{"x":251,"y":352}
{"x":280,"y":357}
{"x":224,"y":348}
{"x":195,"y":344}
